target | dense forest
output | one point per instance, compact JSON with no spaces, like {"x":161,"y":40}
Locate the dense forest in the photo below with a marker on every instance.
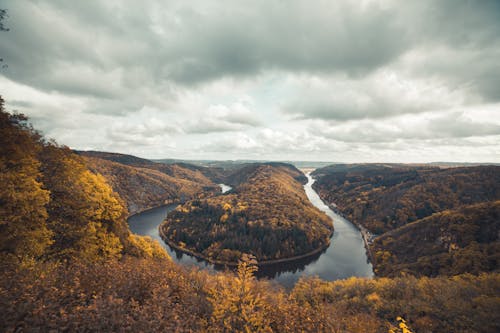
{"x":69,"y":263}
{"x":446,"y":243}
{"x":267,"y":214}
{"x":143,"y":184}
{"x":430,"y":221}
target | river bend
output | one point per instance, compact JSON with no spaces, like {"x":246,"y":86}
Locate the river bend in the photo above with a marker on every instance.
{"x":345,"y":257}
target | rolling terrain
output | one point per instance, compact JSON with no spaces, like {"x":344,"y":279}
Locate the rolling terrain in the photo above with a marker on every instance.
{"x":430,"y":221}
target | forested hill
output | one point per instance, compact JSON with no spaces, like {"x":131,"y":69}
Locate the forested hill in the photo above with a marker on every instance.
{"x":145,"y":184}
{"x":267,"y":214}
{"x":451,"y":242}
{"x":382,"y":197}
{"x":430,"y":220}
{"x":245,"y":172}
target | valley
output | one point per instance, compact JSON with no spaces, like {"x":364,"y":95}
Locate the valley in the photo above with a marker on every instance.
{"x":80,"y":248}
{"x":344,"y":257}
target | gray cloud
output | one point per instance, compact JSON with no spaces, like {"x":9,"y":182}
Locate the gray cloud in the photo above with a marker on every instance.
{"x":163,"y":74}
{"x":382,"y":94}
{"x":192,"y":44}
{"x":433,"y":127}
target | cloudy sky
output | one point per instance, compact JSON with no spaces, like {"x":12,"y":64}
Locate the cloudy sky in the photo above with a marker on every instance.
{"x":345,"y":81}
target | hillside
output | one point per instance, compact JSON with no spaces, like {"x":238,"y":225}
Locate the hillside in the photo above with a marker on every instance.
{"x":267,"y":214}
{"x":464,"y":240}
{"x":144,"y":185}
{"x":203,"y":175}
{"x":429,"y":221}
{"x":385,"y":197}
{"x":53,"y":207}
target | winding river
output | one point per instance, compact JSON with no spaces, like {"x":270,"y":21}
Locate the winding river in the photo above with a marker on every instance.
{"x":345,"y":257}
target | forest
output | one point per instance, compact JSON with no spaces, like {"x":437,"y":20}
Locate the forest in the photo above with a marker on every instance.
{"x":429,"y":220}
{"x":450,"y":242}
{"x":69,"y":263}
{"x":267,"y":214}
{"x":144,"y":184}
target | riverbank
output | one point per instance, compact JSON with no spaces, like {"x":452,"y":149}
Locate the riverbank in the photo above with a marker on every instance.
{"x":366,"y":235}
{"x":151,"y":208}
{"x":344,"y":257}
{"x":232,"y":263}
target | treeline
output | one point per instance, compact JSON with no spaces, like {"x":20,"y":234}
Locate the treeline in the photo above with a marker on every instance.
{"x":267,"y":214}
{"x":430,"y":220}
{"x":53,"y":207}
{"x":144,"y":184}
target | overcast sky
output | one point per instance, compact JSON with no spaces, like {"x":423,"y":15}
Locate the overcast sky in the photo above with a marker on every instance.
{"x":345,"y":81}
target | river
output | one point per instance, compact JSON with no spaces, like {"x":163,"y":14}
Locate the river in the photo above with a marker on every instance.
{"x":345,"y":257}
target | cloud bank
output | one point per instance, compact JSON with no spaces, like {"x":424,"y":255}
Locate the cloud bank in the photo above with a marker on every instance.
{"x":336,"y":81}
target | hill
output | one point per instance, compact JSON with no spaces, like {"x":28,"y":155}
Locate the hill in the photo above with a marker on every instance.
{"x":267,"y":214}
{"x":451,"y":242}
{"x":430,"y":221}
{"x":382,"y":197}
{"x":180,"y":169}
{"x":116,"y":157}
{"x":143,"y":184}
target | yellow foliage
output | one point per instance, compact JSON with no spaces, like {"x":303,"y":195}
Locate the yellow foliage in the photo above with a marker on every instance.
{"x":183,"y":209}
{"x":97,"y":244}
{"x":147,"y":247}
{"x":224,"y":218}
{"x":23,"y":230}
{"x":402,"y":327}
{"x":236,"y":307}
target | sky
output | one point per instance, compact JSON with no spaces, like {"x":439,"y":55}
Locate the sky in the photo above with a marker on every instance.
{"x":339,"y":81}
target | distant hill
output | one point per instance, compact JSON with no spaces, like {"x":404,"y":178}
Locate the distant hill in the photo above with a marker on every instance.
{"x":115,"y":157}
{"x":267,"y":214}
{"x":144,"y":184}
{"x":415,"y":209}
{"x":244,"y":172}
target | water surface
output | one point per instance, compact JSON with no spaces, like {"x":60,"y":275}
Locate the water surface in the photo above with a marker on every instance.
{"x":345,"y":257}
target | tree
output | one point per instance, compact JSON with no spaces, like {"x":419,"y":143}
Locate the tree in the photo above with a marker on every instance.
{"x":87,"y":217}
{"x":236,"y":307}
{"x":23,"y":230}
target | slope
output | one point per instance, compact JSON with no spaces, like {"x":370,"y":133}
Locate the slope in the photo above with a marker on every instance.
{"x":267,"y":214}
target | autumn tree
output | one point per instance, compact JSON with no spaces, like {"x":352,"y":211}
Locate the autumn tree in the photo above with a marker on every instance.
{"x":23,"y":229}
{"x":236,"y":307}
{"x":87,"y":217}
